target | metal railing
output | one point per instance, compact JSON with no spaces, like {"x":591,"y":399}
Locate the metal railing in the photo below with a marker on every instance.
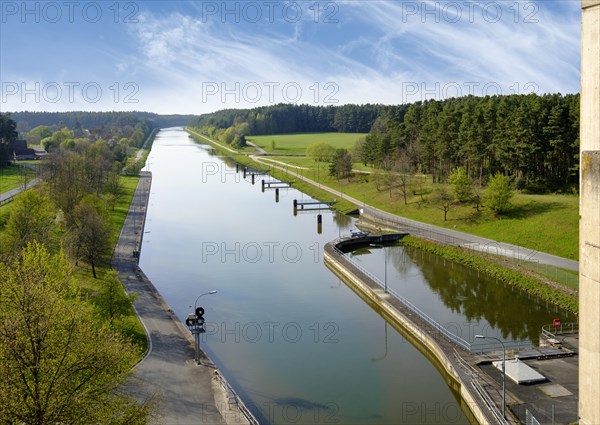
{"x":473,"y":375}
{"x":549,"y":331}
{"x":236,"y":400}
{"x":437,"y":326}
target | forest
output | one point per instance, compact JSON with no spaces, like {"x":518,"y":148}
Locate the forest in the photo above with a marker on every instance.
{"x":532,"y":138}
{"x":289,"y":118}
{"x":88,"y":120}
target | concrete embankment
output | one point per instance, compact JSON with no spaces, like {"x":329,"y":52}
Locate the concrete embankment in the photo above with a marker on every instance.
{"x":446,"y":356}
{"x":187,"y":393}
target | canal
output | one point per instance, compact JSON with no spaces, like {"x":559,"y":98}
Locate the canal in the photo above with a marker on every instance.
{"x":293,"y":340}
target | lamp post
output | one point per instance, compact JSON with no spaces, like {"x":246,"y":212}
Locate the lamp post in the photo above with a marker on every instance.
{"x":384,"y":264}
{"x":195,"y":323}
{"x":503,"y":370}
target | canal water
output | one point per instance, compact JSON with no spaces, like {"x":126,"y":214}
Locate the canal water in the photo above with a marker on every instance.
{"x":293,"y":340}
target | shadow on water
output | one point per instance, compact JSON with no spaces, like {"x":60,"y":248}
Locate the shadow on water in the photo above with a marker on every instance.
{"x":274,"y":406}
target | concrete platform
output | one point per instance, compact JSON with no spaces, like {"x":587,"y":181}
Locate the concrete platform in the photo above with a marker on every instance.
{"x":519,"y":372}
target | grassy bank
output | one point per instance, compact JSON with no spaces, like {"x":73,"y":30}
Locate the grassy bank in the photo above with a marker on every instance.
{"x":547,"y":223}
{"x":503,"y":270}
{"x":128,"y":324}
{"x":311,"y":190}
{"x":133,"y":166}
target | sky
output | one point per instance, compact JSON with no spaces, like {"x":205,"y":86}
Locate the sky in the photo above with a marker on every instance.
{"x":194,"y":57}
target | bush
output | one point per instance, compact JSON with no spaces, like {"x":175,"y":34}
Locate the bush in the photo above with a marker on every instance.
{"x":498,"y":194}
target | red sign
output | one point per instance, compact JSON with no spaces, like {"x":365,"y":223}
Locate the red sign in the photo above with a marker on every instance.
{"x":556,"y":323}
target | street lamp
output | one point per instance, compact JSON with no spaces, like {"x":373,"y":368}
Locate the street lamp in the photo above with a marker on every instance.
{"x":385,"y":264}
{"x":503,"y":370}
{"x":195,"y":323}
{"x":201,"y":295}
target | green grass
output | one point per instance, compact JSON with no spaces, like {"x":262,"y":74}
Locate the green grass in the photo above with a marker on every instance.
{"x":118,"y":215}
{"x":295,"y":144}
{"x":128,"y":325}
{"x":133,"y":167}
{"x":567,"y":278}
{"x":13,"y":176}
{"x":547,"y":223}
{"x":497,"y":268}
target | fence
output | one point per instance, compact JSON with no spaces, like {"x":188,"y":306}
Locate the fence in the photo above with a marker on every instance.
{"x":526,"y":257}
{"x":475,"y":348}
{"x":549,"y":331}
{"x":530,"y":419}
{"x":438,"y":327}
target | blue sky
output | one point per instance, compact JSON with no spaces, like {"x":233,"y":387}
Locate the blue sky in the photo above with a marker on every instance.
{"x":196,"y":57}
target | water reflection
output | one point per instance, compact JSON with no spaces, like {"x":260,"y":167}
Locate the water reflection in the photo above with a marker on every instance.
{"x":463,"y":300}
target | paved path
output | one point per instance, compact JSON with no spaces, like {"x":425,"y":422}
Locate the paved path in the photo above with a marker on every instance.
{"x":8,"y":195}
{"x":184,"y":389}
{"x":260,"y":150}
{"x":442,"y":234}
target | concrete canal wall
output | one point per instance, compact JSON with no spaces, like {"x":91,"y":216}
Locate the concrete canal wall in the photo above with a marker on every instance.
{"x":429,"y":341}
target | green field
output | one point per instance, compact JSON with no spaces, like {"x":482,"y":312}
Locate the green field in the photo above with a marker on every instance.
{"x":295,"y":144}
{"x":13,"y":177}
{"x":547,"y":223}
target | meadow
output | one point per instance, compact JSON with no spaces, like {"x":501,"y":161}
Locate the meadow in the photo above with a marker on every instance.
{"x":295,"y":144}
{"x":548,"y":223}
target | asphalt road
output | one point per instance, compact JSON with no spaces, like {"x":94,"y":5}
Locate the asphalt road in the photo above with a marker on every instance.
{"x":5,"y":196}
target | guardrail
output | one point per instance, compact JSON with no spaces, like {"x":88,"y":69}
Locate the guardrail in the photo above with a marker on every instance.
{"x":474,"y":348}
{"x":550,"y":331}
{"x":438,"y":327}
{"x":234,"y":399}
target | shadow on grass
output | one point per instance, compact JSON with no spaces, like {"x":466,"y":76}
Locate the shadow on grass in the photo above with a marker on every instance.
{"x":533,"y":208}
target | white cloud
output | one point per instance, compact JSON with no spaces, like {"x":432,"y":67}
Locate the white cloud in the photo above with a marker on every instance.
{"x":377,"y":52}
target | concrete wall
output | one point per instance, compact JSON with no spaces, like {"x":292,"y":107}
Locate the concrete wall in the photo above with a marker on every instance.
{"x":589,"y":236}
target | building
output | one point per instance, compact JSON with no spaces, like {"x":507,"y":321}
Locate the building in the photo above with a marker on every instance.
{"x":589,"y":210}
{"x":21,"y":152}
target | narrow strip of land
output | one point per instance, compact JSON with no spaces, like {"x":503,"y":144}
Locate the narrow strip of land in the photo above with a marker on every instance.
{"x":441,"y":234}
{"x":184,"y":389}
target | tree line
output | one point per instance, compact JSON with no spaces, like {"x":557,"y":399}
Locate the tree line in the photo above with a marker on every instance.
{"x":533,"y":139}
{"x":82,"y":119}
{"x":289,"y":118}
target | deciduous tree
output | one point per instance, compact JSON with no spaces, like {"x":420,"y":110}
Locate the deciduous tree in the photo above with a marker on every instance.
{"x":498,"y":194}
{"x":112,"y":300}
{"x":461,"y":184}
{"x":57,"y":364}
{"x":89,"y":234}
{"x":31,"y":219}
